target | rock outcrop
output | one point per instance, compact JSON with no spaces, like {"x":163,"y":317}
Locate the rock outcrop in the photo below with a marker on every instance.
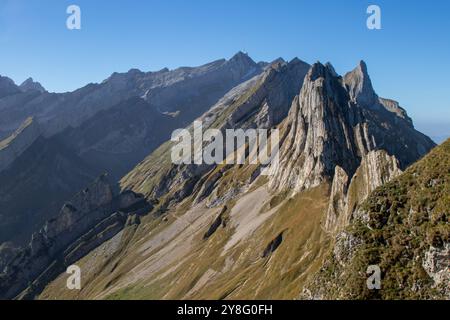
{"x":338,"y":200}
{"x":7,"y":87}
{"x":262,"y":102}
{"x":318,"y":134}
{"x":436,"y":263}
{"x":191,"y":91}
{"x":338,"y":130}
{"x":110,"y":126}
{"x":273,"y":245}
{"x":359,"y":86}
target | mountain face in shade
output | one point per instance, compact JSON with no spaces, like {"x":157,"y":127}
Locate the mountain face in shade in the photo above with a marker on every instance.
{"x":222,"y":231}
{"x":262,"y":102}
{"x":94,"y":214}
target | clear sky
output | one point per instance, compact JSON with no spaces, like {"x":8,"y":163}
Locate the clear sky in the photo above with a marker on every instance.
{"x":408,"y":59}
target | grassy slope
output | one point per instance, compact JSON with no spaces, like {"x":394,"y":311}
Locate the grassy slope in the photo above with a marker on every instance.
{"x":205,"y":273}
{"x":406,"y":217}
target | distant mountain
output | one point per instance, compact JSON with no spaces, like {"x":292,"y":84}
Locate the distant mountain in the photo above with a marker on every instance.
{"x":7,"y":87}
{"x":262,"y":102}
{"x":403,"y":228}
{"x":107,"y":127}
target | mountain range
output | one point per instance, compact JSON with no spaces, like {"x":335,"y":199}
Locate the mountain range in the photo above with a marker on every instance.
{"x":87,"y":179}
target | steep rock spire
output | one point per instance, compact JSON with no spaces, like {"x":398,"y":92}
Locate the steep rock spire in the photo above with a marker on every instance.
{"x":360,"y":87}
{"x":319,"y":133}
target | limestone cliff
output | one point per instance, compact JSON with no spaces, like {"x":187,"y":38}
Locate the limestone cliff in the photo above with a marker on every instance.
{"x":339,"y":131}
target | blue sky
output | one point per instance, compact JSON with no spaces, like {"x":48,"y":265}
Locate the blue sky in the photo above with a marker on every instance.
{"x":408,"y":59}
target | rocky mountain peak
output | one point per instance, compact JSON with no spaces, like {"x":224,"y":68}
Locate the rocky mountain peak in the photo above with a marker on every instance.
{"x":331,"y":68}
{"x":241,"y":56}
{"x":360,"y":86}
{"x":363,"y":67}
{"x":333,"y":125}
{"x":134,"y":71}
{"x":31,"y":85}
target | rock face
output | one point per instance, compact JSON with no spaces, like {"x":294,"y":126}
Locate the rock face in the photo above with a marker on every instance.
{"x":337,"y":209}
{"x":335,"y":132}
{"x":93,"y":216}
{"x":107,"y":127}
{"x":261,"y":102}
{"x":318,"y":133}
{"x":376,"y":169}
{"x":393,"y":106}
